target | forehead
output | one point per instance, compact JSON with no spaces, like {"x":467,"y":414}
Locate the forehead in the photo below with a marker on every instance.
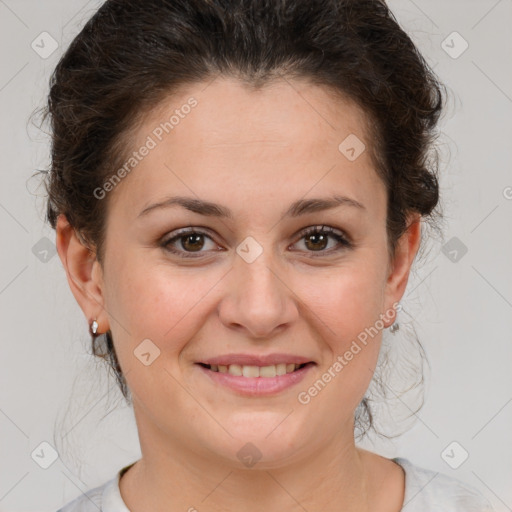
{"x":222,"y":140}
{"x":229,"y":112}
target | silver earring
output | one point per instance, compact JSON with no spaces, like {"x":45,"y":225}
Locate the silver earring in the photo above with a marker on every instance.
{"x":94,"y":327}
{"x":395,"y":326}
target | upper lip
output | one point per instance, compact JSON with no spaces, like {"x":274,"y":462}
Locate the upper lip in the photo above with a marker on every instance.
{"x":256,"y":360}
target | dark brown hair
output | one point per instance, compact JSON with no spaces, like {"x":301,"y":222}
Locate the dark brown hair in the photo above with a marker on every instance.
{"x":132,"y":54}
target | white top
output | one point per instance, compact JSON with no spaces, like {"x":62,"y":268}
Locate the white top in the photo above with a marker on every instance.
{"x":425,"y":491}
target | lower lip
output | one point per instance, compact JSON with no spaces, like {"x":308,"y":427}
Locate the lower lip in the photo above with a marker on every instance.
{"x":258,"y":386}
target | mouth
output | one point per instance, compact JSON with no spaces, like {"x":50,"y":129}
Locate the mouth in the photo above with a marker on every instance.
{"x":251,"y":371}
{"x":256,"y":381}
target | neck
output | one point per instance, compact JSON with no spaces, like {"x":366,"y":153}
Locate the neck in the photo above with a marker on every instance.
{"x":333,"y":475}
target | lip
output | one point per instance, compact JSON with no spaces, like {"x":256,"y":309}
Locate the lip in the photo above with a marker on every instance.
{"x":256,"y":360}
{"x":258,"y":386}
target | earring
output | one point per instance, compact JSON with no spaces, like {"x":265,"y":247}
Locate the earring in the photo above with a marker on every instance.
{"x":94,"y":327}
{"x":395,"y":326}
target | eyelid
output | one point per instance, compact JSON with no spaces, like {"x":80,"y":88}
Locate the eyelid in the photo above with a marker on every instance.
{"x":322,"y":228}
{"x":186,"y":231}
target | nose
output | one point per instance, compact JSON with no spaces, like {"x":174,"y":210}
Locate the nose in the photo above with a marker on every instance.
{"x":257,"y":299}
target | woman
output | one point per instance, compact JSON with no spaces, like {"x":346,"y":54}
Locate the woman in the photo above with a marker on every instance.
{"x":238,"y":189}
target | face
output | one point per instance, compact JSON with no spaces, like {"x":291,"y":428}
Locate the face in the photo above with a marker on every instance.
{"x":181,"y":287}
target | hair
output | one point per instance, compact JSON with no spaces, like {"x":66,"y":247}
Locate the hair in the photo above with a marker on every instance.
{"x":133,"y":54}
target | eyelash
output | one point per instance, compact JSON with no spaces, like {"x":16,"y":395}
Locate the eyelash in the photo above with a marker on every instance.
{"x":337,"y":235}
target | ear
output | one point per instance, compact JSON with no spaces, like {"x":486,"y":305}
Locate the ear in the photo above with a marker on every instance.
{"x":400,"y":267}
{"x":84,"y":273}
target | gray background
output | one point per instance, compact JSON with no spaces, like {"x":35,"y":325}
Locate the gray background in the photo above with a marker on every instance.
{"x":53,"y":391}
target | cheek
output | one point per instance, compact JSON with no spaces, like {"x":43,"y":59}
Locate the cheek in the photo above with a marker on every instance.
{"x":347,"y":299}
{"x":348,"y":305}
{"x":157,"y":301}
{"x":162,"y":305}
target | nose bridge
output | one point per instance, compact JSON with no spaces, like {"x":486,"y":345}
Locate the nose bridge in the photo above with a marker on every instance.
{"x":255,"y":274}
{"x":258,"y":298}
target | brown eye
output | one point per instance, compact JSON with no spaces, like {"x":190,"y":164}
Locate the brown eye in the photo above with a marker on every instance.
{"x":316,"y":239}
{"x":186,"y":242}
{"x":193,"y":242}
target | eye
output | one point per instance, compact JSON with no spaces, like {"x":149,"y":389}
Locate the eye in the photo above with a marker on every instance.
{"x":190,"y":240}
{"x":316,"y":239}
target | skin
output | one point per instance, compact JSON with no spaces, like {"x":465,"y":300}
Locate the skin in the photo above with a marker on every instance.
{"x":254,"y":152}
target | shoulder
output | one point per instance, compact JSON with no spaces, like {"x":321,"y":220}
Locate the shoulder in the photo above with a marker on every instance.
{"x":427,"y":490}
{"x":105,"y":497}
{"x":88,"y":501}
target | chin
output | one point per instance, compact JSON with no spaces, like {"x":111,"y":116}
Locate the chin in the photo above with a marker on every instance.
{"x":258,"y":444}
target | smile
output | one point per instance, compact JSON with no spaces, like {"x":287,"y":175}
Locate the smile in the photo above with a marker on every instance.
{"x":272,"y":370}
{"x":256,"y":380}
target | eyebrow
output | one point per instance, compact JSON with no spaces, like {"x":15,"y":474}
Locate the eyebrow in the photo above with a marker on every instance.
{"x":296,"y":209}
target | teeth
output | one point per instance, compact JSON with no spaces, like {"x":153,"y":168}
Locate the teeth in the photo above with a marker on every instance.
{"x":234,"y":369}
{"x":255,"y":371}
{"x":268,"y":371}
{"x":281,"y":368}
